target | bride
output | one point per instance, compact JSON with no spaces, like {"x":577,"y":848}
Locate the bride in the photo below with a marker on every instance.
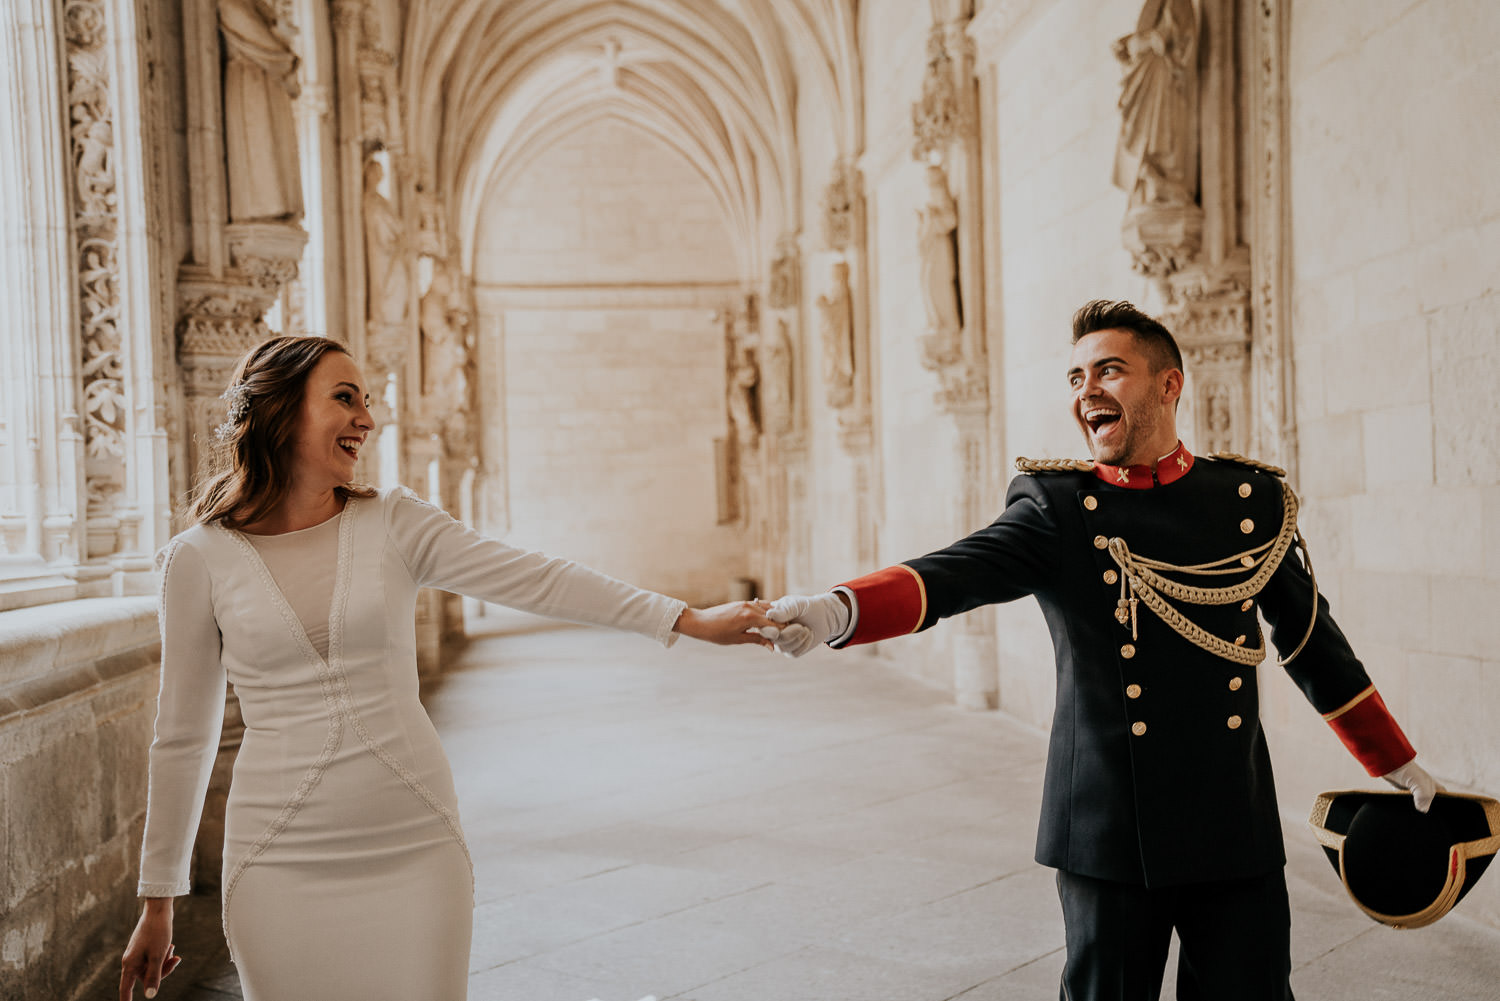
{"x":346,"y":875}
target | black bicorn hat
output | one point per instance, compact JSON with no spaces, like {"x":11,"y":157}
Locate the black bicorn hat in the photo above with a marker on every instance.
{"x":1404,"y":868}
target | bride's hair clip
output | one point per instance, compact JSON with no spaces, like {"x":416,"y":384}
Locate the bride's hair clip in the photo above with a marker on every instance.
{"x":237,"y":399}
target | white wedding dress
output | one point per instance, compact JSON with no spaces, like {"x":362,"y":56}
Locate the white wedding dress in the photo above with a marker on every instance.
{"x":346,"y":875}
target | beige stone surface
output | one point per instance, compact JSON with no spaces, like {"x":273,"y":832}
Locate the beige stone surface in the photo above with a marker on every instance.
{"x":734,"y":826}
{"x":72,"y":781}
{"x":609,"y":203}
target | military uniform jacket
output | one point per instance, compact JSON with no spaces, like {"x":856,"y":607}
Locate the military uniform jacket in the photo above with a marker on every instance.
{"x":1157,"y":768}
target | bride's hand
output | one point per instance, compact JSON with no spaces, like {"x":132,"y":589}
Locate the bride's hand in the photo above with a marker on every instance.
{"x":729,"y":623}
{"x":150,"y":956}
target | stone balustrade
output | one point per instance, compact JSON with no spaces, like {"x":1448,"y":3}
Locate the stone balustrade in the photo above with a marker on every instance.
{"x":77,"y":703}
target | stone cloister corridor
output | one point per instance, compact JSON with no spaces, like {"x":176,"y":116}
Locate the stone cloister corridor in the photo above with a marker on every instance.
{"x":733,"y":297}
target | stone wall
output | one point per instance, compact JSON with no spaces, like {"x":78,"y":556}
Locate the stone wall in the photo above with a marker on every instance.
{"x":77,"y":702}
{"x":611,"y":421}
{"x":607,"y":204}
{"x":1396,"y":312}
{"x":600,"y":266}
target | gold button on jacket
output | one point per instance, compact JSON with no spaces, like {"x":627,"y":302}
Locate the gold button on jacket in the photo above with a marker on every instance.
{"x":1235,"y":684}
{"x":1127,"y":651}
{"x":1234,"y":722}
{"x":1138,"y":729}
{"x":1133,"y":692}
{"x":1091,"y":502}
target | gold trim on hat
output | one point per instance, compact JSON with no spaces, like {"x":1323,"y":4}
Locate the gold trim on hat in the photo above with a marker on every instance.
{"x":1458,"y":856}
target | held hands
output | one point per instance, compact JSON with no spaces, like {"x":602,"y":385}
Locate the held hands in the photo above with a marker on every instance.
{"x":150,"y":956}
{"x":729,"y":623}
{"x":1413,"y":777}
{"x":808,"y":620}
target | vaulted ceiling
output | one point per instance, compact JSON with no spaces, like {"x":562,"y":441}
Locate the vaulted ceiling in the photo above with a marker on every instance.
{"x":490,"y":84}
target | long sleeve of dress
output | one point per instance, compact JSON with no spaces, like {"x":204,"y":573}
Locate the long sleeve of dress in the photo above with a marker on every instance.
{"x":189,"y":716}
{"x":446,"y":554}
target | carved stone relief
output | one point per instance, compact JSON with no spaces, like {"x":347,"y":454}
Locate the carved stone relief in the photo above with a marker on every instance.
{"x":937,"y":245}
{"x":447,"y":333}
{"x":785,"y":285}
{"x":841,"y":204}
{"x":96,"y":233}
{"x":777,"y":389}
{"x":220,"y":322}
{"x":744,"y":378}
{"x":379,"y":121}
{"x":738,"y":455}
{"x":1211,"y":324}
{"x":836,"y":310}
{"x":948,"y":237}
{"x":1156,"y":155}
{"x":942,"y":116}
{"x":260,"y":126}
{"x":387,"y":280}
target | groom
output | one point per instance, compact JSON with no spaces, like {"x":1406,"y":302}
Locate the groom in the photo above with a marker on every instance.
{"x":1152,"y":567}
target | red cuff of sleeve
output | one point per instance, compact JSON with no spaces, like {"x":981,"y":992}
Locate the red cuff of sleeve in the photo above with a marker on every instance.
{"x":1370,"y":733}
{"x":891,"y":602}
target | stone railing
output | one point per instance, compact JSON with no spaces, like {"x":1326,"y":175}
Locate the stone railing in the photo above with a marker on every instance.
{"x":77,"y":703}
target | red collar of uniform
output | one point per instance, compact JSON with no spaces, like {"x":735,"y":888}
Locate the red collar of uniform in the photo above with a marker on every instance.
{"x":1169,"y":468}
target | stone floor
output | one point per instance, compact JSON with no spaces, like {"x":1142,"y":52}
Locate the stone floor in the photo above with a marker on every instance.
{"x":728,"y":825}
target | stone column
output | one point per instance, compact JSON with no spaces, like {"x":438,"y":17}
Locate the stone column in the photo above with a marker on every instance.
{"x":236,"y":269}
{"x":42,"y":506}
{"x":348,"y":16}
{"x":777,"y":359}
{"x":946,"y":138}
{"x":845,"y":317}
{"x":1275,"y":427}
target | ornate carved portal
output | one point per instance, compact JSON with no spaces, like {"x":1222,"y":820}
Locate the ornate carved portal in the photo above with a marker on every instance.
{"x":1189,"y":80}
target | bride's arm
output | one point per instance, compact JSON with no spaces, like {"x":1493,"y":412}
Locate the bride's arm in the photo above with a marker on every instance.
{"x":444,"y":553}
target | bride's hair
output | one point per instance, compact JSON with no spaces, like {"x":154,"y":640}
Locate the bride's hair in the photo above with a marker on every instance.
{"x":248,"y":469}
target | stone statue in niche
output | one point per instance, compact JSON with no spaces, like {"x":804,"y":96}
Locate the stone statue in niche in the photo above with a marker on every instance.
{"x":836,"y":309}
{"x":445,"y":381}
{"x":260,"y":128}
{"x":744,"y":377}
{"x":937,"y":119}
{"x":94,"y":141}
{"x":937,"y":228}
{"x":388,"y":288}
{"x":782,"y":293}
{"x":1155,"y":160}
{"x":839,"y":204}
{"x":776,"y":384}
{"x":1219,"y":419}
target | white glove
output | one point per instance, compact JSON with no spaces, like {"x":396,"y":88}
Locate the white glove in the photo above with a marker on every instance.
{"x":810,"y":620}
{"x":1412,"y":776}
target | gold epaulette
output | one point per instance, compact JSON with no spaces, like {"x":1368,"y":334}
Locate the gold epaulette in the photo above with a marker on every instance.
{"x":1240,"y":460}
{"x":1053,"y":465}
